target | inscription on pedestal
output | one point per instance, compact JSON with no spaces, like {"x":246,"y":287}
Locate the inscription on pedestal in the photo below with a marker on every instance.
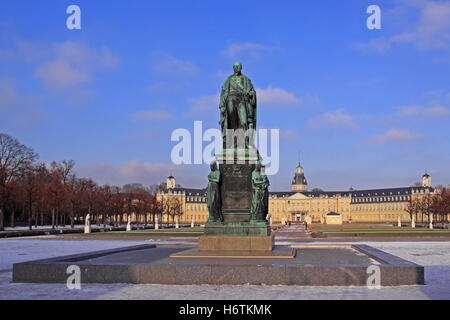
{"x":236,"y":187}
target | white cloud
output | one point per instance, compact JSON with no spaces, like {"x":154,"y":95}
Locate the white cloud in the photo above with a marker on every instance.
{"x":171,"y":66}
{"x":436,"y":111}
{"x":73,"y":64}
{"x":26,"y":51}
{"x":289,"y":135}
{"x":204,"y":105}
{"x":221,"y":74}
{"x":107,"y":58}
{"x":141,"y":172}
{"x":410,"y":110}
{"x":269,"y":97}
{"x":62,"y":65}
{"x":60,"y":74}
{"x":430,"y":31}
{"x":152,"y":115}
{"x":250,"y":49}
{"x":394,"y":135}
{"x":433,"y":111}
{"x":8,"y":93}
{"x":17,"y":108}
{"x":276,"y":97}
{"x":337,"y":119}
{"x":128,"y":172}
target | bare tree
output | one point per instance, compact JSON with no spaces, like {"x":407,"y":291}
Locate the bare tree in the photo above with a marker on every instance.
{"x":31,"y":192}
{"x":14,"y":159}
{"x":105,"y":198}
{"x":425,"y":206}
{"x":72,"y":190}
{"x":118,"y":204}
{"x":412,"y":208}
{"x":56,"y":192}
{"x":130,"y":203}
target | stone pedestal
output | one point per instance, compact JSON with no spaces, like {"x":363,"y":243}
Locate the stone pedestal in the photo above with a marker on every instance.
{"x":235,"y":243}
{"x":236,"y":167}
{"x":244,"y":228}
{"x":236,"y":232}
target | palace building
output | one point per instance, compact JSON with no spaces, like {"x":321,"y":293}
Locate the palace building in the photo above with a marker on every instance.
{"x":331,"y":207}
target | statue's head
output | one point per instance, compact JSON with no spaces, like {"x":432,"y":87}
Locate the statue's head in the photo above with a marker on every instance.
{"x":213,"y":165}
{"x":258,"y":166}
{"x":237,"y":67}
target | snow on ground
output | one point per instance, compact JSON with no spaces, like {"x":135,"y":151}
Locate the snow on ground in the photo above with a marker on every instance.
{"x":435,"y":256}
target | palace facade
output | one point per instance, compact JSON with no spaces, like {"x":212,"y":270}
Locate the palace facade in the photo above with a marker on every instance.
{"x":332,"y":207}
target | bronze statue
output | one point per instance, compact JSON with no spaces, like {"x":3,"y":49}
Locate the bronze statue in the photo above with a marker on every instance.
{"x":260,"y":201}
{"x":238,"y":194}
{"x":237,"y":102}
{"x":213,"y":195}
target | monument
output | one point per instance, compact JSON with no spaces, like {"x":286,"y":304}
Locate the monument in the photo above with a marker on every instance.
{"x":237,"y":246}
{"x":237,"y":193}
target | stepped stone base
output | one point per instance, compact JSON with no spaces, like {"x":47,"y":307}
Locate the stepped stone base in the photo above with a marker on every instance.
{"x":311,"y":265}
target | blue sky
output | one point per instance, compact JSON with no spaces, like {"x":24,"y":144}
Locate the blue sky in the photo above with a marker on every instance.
{"x":365,"y":108}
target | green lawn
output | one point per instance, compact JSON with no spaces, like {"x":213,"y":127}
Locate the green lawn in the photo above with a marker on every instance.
{"x":373,"y":230}
{"x":182,"y":232}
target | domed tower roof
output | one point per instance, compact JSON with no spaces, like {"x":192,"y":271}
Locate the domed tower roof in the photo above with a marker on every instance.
{"x":299,"y":182}
{"x":170,"y":182}
{"x":299,"y":179}
{"x":426,"y":180}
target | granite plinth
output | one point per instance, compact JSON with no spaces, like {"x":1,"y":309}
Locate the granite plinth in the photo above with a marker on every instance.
{"x":235,"y":243}
{"x":150,"y":264}
{"x":256,"y":228}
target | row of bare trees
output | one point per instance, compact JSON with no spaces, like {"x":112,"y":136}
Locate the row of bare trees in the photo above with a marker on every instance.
{"x":42,"y":194}
{"x":436,"y":205}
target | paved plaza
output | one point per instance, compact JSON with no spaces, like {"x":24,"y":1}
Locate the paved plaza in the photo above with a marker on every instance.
{"x":433,"y":255}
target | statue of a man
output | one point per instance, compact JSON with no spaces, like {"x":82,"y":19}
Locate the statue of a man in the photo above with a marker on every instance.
{"x":213,"y":194}
{"x":237,"y":102}
{"x":260,"y":186}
